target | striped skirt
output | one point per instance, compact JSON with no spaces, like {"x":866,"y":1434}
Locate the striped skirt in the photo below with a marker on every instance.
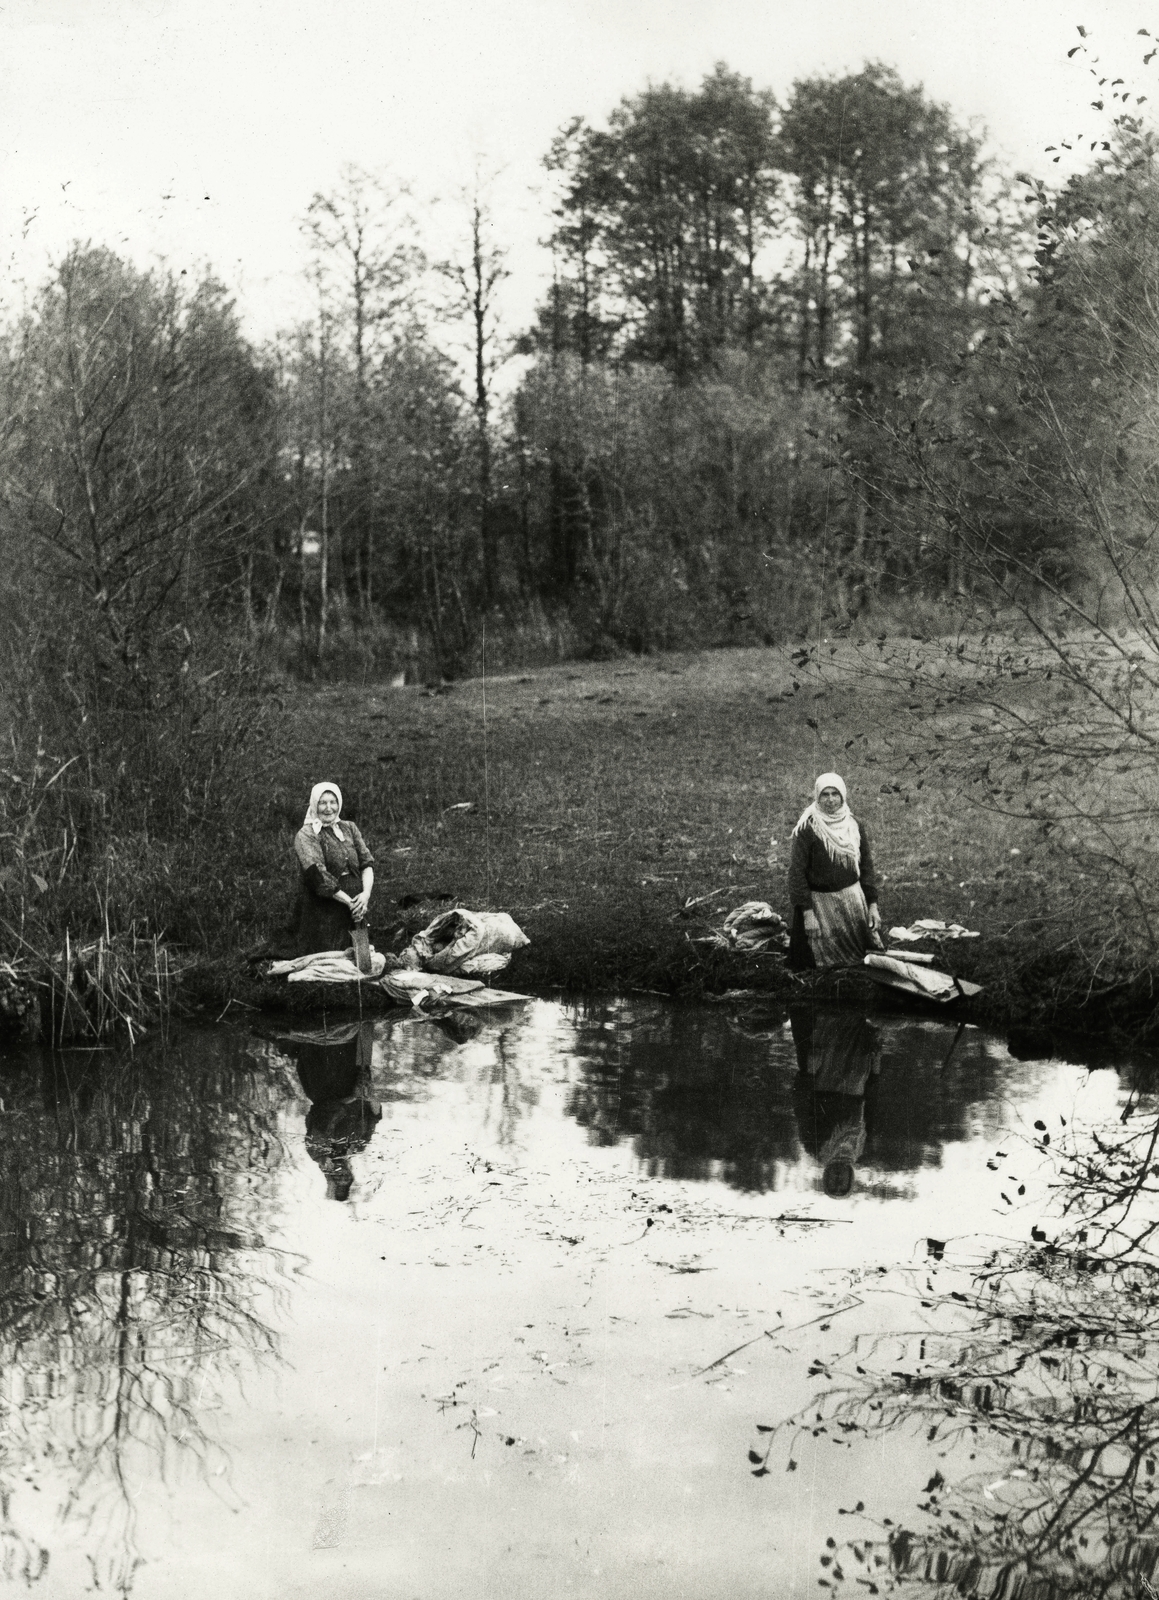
{"x":842,"y":938}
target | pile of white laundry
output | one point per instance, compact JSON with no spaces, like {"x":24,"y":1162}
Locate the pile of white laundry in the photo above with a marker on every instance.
{"x":446,"y":962}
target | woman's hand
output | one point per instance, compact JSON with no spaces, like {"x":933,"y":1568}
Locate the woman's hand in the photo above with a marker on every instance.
{"x":875,"y":916}
{"x":358,"y":906}
{"x":811,"y":923}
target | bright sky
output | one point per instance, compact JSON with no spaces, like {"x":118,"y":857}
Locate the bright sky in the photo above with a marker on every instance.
{"x":197,"y":130}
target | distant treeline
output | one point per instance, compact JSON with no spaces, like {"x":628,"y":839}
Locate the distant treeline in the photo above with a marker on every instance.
{"x":749,"y":302}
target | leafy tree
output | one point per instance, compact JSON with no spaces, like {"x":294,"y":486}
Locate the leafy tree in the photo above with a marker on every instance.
{"x":367,"y":263}
{"x":426,"y":464}
{"x":662,"y":218}
{"x":137,"y":422}
{"x":684,"y":510}
{"x":885,"y":199}
{"x":474,"y":279}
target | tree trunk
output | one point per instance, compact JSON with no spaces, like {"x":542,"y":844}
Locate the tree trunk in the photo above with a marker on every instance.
{"x":324,"y":552}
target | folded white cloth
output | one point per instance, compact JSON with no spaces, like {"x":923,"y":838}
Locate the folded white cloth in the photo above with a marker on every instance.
{"x":917,"y":979}
{"x":328,"y":966}
{"x":416,"y":986}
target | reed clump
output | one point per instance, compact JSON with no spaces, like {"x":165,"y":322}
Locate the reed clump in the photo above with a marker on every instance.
{"x":124,"y":807}
{"x":113,"y":984}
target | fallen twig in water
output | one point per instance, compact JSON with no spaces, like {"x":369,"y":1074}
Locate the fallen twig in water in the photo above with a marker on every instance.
{"x":847,"y":1220}
{"x":777,"y":1333}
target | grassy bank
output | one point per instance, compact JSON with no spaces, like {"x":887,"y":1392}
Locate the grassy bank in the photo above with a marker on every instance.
{"x":597,"y":802}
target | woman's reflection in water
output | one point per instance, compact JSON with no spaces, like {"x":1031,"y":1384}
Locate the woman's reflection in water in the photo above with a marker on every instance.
{"x":839,"y":1057}
{"x":334,"y":1070}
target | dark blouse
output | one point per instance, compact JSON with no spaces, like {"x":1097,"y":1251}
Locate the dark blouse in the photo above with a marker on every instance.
{"x":811,"y":867}
{"x":325,"y":859}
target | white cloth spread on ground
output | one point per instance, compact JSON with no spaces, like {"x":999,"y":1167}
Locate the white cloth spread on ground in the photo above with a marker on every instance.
{"x":909,"y":975}
{"x":926,"y":928}
{"x":444,"y":963}
{"x":405,"y":984}
{"x":445,"y":989}
{"x":328,"y":966}
{"x":897,"y":973}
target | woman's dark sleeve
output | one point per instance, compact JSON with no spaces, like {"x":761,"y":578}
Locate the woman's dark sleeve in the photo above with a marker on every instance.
{"x":365,"y":859}
{"x":308,"y":849}
{"x":868,"y":874}
{"x":799,"y":892}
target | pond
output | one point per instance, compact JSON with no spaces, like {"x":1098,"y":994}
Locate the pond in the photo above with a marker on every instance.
{"x":611,"y":1298}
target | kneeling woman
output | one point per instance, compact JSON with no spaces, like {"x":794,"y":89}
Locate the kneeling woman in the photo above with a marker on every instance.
{"x":831,"y":882}
{"x":337,"y":875}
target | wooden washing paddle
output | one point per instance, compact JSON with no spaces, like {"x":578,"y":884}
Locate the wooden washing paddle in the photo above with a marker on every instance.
{"x":361,"y":941}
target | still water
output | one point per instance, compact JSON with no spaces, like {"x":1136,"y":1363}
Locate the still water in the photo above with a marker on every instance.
{"x":564,"y":1299}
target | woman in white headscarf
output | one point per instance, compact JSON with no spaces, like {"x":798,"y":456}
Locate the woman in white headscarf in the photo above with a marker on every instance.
{"x":337,"y":874}
{"x":831,"y":882}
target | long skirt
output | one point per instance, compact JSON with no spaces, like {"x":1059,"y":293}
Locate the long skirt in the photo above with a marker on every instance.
{"x":842,"y":938}
{"x":323,"y":923}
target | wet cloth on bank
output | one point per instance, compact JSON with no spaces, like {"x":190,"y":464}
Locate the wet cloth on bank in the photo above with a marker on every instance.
{"x":468,"y":943}
{"x":418,"y":988}
{"x":328,"y":966}
{"x":897,"y":973}
{"x":754,"y":926}
{"x":406,"y":983}
{"x":928,"y":928}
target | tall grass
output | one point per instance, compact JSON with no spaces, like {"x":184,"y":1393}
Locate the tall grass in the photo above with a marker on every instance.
{"x":120,"y":826}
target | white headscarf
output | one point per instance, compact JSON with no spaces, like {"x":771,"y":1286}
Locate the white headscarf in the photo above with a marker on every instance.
{"x":312,"y":820}
{"x":839,"y":833}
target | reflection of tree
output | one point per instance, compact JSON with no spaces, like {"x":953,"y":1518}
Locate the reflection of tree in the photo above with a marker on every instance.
{"x":701,"y":1099}
{"x":132,"y":1276}
{"x":688,"y":1091}
{"x":1043,"y":1406}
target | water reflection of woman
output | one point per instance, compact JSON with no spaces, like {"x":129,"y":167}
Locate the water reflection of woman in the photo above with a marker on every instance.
{"x":839,"y":1057}
{"x":334,"y":1071}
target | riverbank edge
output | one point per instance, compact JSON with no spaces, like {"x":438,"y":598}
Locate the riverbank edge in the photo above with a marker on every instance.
{"x":1029,"y":1002}
{"x":1034,"y":1025}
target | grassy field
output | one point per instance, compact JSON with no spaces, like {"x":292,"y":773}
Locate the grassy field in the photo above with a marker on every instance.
{"x":596,"y":801}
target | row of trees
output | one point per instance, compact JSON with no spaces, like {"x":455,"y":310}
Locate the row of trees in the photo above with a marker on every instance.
{"x":702,"y":222}
{"x":735,"y":285}
{"x":739,"y":291}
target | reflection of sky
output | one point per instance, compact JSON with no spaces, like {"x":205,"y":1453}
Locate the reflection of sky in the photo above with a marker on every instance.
{"x":493,"y":1264}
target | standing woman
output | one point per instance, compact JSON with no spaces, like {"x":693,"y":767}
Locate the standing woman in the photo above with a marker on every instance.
{"x":831,"y":882}
{"x":337,"y":875}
